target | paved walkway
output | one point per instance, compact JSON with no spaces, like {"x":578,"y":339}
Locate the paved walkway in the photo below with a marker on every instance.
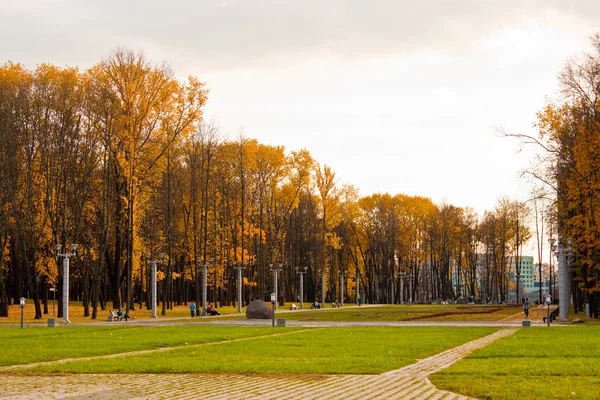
{"x":409,"y":382}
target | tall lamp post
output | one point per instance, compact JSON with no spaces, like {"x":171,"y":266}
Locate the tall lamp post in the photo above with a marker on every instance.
{"x":66,"y":257}
{"x":239,"y":269}
{"x":153,"y":263}
{"x":275,"y":269}
{"x":22,"y":304}
{"x":301,"y":271}
{"x":273,"y":301}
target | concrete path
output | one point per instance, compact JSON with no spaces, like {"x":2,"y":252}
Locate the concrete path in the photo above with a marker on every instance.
{"x":409,"y":382}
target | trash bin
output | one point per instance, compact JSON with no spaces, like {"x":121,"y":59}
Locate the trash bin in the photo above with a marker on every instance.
{"x":526,"y":323}
{"x":51,"y":322}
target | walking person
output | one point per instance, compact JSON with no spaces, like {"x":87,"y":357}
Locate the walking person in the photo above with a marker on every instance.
{"x":526,"y":308}
{"x":192,"y":309}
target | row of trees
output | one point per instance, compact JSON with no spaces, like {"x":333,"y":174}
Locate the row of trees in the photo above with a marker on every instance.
{"x":118,"y":159}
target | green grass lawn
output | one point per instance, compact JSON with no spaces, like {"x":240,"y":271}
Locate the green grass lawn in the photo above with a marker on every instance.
{"x":384,"y":313}
{"x":35,"y":344}
{"x":306,"y":351}
{"x":417,"y":312}
{"x":535,"y":363}
{"x":76,"y":313}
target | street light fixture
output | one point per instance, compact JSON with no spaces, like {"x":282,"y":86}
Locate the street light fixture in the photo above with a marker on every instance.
{"x":273,"y":301}
{"x":22,"y":304}
{"x":66,"y":257}
{"x":275,"y":269}
{"x":153,"y":263}
{"x":301,"y":271}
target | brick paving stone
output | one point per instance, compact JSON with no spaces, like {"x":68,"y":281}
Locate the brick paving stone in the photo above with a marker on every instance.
{"x":409,"y":382}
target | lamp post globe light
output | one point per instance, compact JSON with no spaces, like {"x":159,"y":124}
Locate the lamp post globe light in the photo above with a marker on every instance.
{"x":153,"y":263}
{"x":275,"y":269}
{"x":66,"y":257}
{"x":548,"y":302}
{"x":22,"y":305}
{"x":273,"y":301}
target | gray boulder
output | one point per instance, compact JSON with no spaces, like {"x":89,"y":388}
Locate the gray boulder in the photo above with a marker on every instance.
{"x":258,"y":309}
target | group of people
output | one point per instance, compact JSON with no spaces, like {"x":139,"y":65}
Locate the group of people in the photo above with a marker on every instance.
{"x":195,"y":311}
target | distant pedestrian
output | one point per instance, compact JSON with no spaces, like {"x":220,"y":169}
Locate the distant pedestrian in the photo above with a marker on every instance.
{"x":526,"y":308}
{"x":192,"y":309}
{"x":359,"y":301}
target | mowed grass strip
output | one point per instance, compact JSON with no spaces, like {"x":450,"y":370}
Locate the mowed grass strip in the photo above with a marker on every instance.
{"x":384,"y":313}
{"x":535,"y":363}
{"x":417,"y":312}
{"x":76,"y":312}
{"x":319,"y":351}
{"x":36,"y":344}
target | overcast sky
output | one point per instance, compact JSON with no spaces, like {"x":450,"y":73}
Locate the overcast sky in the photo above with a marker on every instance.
{"x":396,"y":96}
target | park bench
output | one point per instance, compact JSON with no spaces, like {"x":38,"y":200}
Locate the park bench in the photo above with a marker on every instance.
{"x":115,"y":317}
